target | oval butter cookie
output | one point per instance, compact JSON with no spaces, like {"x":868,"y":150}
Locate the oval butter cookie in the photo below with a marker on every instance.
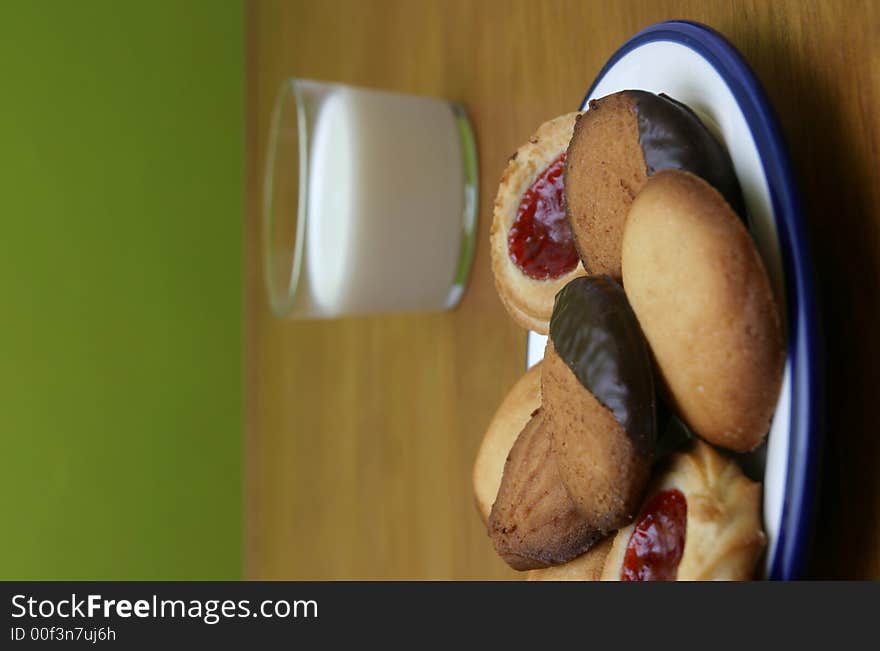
{"x":702,"y":297}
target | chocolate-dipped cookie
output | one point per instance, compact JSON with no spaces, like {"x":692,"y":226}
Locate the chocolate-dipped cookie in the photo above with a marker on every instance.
{"x":598,"y":399}
{"x":702,"y":296}
{"x":620,"y":142}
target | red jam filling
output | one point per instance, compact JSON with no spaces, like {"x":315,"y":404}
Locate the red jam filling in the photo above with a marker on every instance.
{"x":540,"y":242}
{"x":655,"y":547}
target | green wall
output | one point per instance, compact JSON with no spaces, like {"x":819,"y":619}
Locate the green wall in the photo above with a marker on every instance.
{"x":121,"y":149}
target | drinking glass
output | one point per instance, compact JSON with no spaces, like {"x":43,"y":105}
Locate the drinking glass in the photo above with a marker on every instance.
{"x":369,"y":203}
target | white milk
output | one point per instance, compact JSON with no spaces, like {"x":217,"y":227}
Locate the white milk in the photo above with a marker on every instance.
{"x":386,"y":204}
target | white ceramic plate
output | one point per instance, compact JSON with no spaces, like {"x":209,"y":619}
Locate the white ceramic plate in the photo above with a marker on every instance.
{"x":695,"y":65}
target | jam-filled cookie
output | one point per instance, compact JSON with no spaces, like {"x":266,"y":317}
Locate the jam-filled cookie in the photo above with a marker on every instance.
{"x":617,"y":144}
{"x":701,"y":521}
{"x":702,"y":296}
{"x":523,"y":399}
{"x":533,"y":253}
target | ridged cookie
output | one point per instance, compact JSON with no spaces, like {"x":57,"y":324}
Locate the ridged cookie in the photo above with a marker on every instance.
{"x":723,"y":538}
{"x":523,"y":399}
{"x":534,"y":523}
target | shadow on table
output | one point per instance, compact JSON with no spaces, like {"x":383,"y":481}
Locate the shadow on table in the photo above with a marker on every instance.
{"x":832,"y":164}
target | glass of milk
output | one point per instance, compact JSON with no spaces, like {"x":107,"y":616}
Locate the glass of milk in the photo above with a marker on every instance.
{"x":370,"y":202}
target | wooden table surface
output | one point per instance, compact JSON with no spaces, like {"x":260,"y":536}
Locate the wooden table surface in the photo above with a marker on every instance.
{"x":361,"y":433}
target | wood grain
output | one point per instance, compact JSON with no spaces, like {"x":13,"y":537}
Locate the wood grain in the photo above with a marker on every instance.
{"x":361,"y":433}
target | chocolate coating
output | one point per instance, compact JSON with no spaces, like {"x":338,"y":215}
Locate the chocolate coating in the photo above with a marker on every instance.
{"x":672,"y":137}
{"x":595,"y":332}
{"x":615,"y":148}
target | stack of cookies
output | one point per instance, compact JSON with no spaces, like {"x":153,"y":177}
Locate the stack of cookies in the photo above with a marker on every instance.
{"x":620,"y":232}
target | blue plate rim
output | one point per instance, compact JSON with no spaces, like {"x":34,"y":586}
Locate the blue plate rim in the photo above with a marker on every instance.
{"x":807,"y":405}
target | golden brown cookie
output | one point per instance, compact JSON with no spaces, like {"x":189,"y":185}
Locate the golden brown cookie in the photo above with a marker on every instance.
{"x":704,"y":302}
{"x":534,"y":522}
{"x":616,"y":146}
{"x":523,"y":399}
{"x":586,"y":567}
{"x":532,"y":250}
{"x":701,"y":521}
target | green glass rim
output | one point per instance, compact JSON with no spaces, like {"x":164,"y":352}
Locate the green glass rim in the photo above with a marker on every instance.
{"x":283,"y":295}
